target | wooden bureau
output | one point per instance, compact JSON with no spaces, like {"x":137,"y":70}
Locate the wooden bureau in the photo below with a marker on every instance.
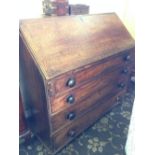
{"x":73,"y":70}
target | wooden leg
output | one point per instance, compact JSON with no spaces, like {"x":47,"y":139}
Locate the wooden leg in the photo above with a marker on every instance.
{"x":24,"y":132}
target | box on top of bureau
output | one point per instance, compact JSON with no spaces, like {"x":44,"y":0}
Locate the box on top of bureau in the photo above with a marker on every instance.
{"x":72,"y":70}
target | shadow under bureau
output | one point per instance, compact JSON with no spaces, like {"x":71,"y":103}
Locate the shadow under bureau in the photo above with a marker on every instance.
{"x":73,"y":69}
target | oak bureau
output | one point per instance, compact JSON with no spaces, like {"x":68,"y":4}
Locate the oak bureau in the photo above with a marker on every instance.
{"x":73,"y":69}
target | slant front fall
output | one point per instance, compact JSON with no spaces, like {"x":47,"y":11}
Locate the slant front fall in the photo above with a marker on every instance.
{"x":73,"y":70}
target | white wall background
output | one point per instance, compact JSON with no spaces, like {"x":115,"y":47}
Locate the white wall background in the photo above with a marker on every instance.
{"x":124,"y":9}
{"x":30,"y":9}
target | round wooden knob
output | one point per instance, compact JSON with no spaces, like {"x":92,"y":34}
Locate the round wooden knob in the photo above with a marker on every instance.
{"x":71,"y":116}
{"x":70,"y":99}
{"x":71,"y":82}
{"x":125,"y":71}
{"x":121,"y":85}
{"x":127,"y":58}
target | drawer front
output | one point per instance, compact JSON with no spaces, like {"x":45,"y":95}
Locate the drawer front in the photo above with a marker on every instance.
{"x":72,"y":79}
{"x":77,"y":95}
{"x":69,"y":115}
{"x":65,"y":135}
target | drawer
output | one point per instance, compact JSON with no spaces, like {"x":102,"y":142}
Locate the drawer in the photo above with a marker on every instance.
{"x":75,"y":96}
{"x":62,"y":137}
{"x":72,"y":79}
{"x":69,"y":115}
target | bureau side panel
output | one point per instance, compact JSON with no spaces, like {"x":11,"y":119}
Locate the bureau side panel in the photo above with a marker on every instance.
{"x":33,"y":93}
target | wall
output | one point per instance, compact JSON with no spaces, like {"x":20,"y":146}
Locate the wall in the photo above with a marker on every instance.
{"x":30,"y":9}
{"x":124,"y":9}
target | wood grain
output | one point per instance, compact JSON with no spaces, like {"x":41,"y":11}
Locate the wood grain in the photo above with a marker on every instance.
{"x":61,"y":137}
{"x":88,"y":72}
{"x":93,"y":49}
{"x":59,"y":101}
{"x":61,"y":44}
{"x":34,"y":96}
{"x":59,"y":120}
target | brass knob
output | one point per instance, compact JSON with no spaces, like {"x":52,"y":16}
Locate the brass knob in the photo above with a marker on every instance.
{"x":71,"y":133}
{"x":70,"y":99}
{"x":71,"y":82}
{"x":71,"y":116}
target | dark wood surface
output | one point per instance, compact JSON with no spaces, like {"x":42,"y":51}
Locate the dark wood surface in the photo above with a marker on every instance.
{"x":95,"y":53}
{"x":89,"y":71}
{"x":59,"y":102}
{"x":89,"y":38}
{"x":60,"y":120}
{"x":61,"y":137}
{"x":34,"y":93}
{"x":23,"y":128}
{"x":24,"y":131}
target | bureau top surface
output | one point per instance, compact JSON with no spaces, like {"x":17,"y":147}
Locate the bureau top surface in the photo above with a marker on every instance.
{"x":61,"y":44}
